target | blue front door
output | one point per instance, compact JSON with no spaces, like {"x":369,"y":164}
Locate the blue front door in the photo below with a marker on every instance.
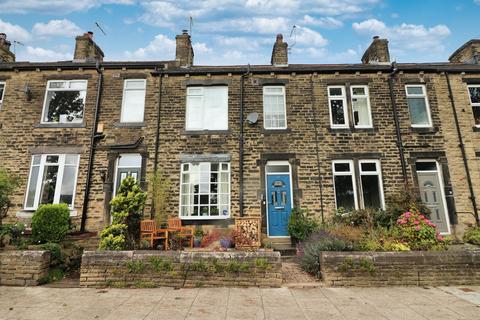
{"x":279,"y":204}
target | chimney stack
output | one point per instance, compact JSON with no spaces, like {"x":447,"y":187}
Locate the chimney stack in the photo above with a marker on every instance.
{"x":184,"y":50}
{"x":469,"y":52}
{"x":377,"y":52}
{"x":280,"y":52}
{"x":6,"y":55}
{"x":86,"y":50}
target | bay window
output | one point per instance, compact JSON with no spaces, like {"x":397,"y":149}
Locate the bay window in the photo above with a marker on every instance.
{"x":64,"y":101}
{"x":274,"y":108}
{"x":53,"y":179}
{"x":207,"y":108}
{"x":474,"y":93}
{"x":418,"y":106}
{"x":133,"y":102}
{"x":205,"y":190}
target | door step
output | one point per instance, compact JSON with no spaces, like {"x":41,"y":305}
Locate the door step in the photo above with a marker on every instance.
{"x":286,"y":250}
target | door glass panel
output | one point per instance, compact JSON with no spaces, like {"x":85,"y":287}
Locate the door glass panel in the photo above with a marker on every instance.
{"x":274,"y":198}
{"x":280,"y":168}
{"x":284,"y":198}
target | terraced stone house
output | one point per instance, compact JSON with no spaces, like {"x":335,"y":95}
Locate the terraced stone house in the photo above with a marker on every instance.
{"x":250,"y":140}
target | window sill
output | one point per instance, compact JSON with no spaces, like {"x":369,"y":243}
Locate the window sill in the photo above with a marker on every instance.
{"x":198,"y":221}
{"x":60,"y":125}
{"x":129,"y":124}
{"x":476,"y":129}
{"x":29,"y":213}
{"x":424,"y":129}
{"x":275,"y":131}
{"x":339,"y":130}
{"x":204,"y":132}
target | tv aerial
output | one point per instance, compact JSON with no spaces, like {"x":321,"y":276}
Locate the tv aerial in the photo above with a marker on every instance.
{"x":100,"y":28}
{"x":293,"y":34}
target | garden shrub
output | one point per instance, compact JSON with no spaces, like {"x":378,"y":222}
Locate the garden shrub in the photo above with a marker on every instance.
{"x":300,"y":226}
{"x":8,"y":184}
{"x":50,"y":223}
{"x":472,"y":236}
{"x":309,"y":251}
{"x":14,"y":232}
{"x":415,"y":230}
{"x":399,"y":203}
{"x":127,"y":211}
{"x":55,"y":250}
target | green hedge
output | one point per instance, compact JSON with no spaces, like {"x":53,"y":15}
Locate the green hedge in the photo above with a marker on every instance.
{"x":50,"y":223}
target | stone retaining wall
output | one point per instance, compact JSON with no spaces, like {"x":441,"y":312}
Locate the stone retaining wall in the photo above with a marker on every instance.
{"x":23,"y":268}
{"x":180,"y":269}
{"x":400,"y":268}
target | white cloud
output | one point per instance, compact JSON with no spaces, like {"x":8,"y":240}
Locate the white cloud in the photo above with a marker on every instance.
{"x":63,"y":27}
{"x":273,"y":6}
{"x":258,"y":25}
{"x":160,"y":48}
{"x":40,"y":54}
{"x":323,"y":22}
{"x":309,"y":37}
{"x":477,"y":1}
{"x":200,"y":48}
{"x":406,"y":36}
{"x":54,"y":6}
{"x":14,"y":32}
{"x":339,"y":7}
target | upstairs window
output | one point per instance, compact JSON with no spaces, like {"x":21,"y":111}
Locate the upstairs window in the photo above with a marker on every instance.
{"x":207,"y":108}
{"x":133,"y":103}
{"x":362,"y":117}
{"x":337,"y":102}
{"x":205,"y":190}
{"x":474,"y":93}
{"x":53,"y":178}
{"x":418,"y":106}
{"x":2,"y":93}
{"x":64,"y":101}
{"x":274,"y":108}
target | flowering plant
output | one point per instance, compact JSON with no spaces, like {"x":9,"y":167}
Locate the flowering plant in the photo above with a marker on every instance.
{"x":417,"y":231}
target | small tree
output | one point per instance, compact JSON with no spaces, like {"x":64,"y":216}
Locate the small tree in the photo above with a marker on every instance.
{"x":160,"y":195}
{"x":127,"y":211}
{"x":8,"y":184}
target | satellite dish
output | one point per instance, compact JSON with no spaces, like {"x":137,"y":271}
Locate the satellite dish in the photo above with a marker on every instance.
{"x":252,"y":118}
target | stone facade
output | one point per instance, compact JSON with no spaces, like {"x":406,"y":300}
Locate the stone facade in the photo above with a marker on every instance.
{"x":180,"y":269}
{"x":23,"y":268}
{"x":308,"y":143}
{"x":377,"y":269}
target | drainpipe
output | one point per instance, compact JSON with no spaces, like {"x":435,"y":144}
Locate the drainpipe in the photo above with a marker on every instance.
{"x":157,"y":134}
{"x":315,"y":124}
{"x":93,"y":138}
{"x":240,"y":144}
{"x":462,"y":149}
{"x":397,"y":123}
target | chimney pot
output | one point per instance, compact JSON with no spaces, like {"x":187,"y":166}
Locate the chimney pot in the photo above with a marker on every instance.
{"x":86,"y":49}
{"x":279,"y":52}
{"x":184,"y":50}
{"x":377,"y":52}
{"x":5,"y":54}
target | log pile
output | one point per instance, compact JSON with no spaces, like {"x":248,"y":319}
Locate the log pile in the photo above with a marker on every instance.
{"x":249,"y":228}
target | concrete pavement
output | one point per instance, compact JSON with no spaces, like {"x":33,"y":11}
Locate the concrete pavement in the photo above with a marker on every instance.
{"x":237,"y":303}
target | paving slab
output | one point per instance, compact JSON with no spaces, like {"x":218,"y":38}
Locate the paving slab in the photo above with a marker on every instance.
{"x":396,"y":303}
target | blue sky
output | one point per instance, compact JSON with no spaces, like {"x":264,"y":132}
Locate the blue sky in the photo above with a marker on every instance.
{"x":242,"y":31}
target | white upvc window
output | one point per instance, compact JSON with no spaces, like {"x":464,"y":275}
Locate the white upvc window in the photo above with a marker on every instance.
{"x":362,"y":116}
{"x":371,"y":184}
{"x":344,"y":185}
{"x":64,"y":101}
{"x":205,"y":190}
{"x":368,"y":194}
{"x":133,"y":102}
{"x":474,"y":94}
{"x":53,"y":179}
{"x":207,"y":108}
{"x":274,"y":108}
{"x":418,"y":106}
{"x":337,"y":103}
{"x":2,"y":93}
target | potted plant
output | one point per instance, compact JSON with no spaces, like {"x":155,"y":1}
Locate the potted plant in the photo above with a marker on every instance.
{"x":226,"y":240}
{"x":197,"y":237}
{"x":300,"y":226}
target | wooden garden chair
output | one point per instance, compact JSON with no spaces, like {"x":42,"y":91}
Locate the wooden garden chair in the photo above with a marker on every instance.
{"x":150,"y":233}
{"x":175,"y":225}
